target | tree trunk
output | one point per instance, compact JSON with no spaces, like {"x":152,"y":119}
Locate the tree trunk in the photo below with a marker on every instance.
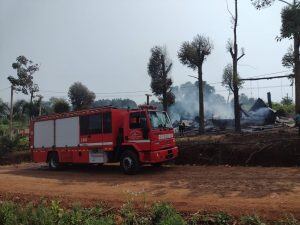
{"x":237,"y":113}
{"x":30,"y":106}
{"x":297,"y":72}
{"x":11,"y":113}
{"x":165,"y":100}
{"x":201,"y":102}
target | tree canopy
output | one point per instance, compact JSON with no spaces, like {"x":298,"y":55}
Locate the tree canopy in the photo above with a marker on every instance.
{"x":80,"y":96}
{"x":24,"y":80}
{"x":117,"y":102}
{"x":59,"y":105}
{"x":159,"y":68}
{"x":4,"y":109}
{"x":227,"y":80}
{"x":192,"y":54}
{"x":288,"y":59}
{"x":290,"y":20}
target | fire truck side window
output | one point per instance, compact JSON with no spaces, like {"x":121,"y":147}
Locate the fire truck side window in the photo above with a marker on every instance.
{"x":136,"y":120}
{"x":107,"y":128}
{"x":91,"y":124}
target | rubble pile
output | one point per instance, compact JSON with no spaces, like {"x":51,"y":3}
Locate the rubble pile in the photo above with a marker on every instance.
{"x":259,"y":117}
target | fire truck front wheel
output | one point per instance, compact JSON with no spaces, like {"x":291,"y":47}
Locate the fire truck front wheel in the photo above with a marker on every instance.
{"x":53,"y":161}
{"x":130,"y":162}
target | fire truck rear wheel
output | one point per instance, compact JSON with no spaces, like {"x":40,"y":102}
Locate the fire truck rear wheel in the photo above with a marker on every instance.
{"x":130,"y":162}
{"x":53,"y":161}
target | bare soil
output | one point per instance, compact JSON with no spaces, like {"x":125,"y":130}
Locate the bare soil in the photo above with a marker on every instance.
{"x":267,"y":191}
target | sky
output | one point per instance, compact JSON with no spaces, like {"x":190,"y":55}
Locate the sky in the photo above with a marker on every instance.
{"x":105,"y":44}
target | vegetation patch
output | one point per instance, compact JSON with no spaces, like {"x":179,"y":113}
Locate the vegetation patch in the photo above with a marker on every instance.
{"x":158,"y":214}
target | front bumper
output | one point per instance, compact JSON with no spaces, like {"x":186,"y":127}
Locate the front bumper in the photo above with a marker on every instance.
{"x":159,"y":156}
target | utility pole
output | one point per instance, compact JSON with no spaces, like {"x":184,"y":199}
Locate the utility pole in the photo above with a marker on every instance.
{"x":40,"y":105}
{"x":148,"y":98}
{"x":270,"y":100}
{"x":11,"y":112}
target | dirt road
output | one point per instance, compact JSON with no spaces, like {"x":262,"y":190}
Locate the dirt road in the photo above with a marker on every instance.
{"x":238,"y":190}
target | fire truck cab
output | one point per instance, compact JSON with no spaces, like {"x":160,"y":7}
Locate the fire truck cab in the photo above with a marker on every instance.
{"x":102,"y":135}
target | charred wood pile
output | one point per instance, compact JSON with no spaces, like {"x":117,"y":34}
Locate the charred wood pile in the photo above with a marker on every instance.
{"x":260,"y":117}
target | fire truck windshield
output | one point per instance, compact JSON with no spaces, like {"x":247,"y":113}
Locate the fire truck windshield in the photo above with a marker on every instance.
{"x":159,"y":120}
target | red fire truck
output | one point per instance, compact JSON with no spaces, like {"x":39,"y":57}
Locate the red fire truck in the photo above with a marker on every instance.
{"x":101,"y":135}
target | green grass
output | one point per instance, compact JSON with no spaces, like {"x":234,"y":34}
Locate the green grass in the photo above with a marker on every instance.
{"x":158,"y":214}
{"x":284,"y":109}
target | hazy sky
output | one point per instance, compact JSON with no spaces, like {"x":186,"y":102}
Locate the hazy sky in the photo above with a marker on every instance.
{"x":106,"y":44}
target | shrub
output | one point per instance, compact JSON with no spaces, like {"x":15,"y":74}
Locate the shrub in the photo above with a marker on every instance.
{"x":6,"y":145}
{"x":289,"y":220}
{"x":131,"y":217}
{"x":211,"y":219}
{"x":164,"y":214}
{"x":8,"y":214}
{"x":11,"y":214}
{"x":16,"y":144}
{"x":284,"y":110}
{"x":160,"y":214}
{"x":251,"y":220}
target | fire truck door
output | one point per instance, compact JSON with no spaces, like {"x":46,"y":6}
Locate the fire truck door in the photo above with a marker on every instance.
{"x":91,"y":130}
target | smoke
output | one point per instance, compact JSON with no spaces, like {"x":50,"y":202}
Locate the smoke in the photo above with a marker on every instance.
{"x":187,"y":104}
{"x":186,"y":107}
{"x":261,"y":116}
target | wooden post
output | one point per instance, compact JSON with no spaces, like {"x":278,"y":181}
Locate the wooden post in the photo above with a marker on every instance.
{"x":148,"y":98}
{"x":269,"y":100}
{"x":11,"y":113}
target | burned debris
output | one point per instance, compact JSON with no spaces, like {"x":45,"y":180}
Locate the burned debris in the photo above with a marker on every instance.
{"x":259,"y":117}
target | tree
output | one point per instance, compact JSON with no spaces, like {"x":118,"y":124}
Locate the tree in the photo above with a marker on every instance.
{"x":4,"y":109}
{"x":286,"y":100}
{"x":59,"y":105}
{"x":233,"y":49}
{"x":193,"y":54}
{"x":159,"y":68}
{"x":288,"y":59}
{"x":24,"y":80}
{"x":80,"y":96}
{"x":227,"y":80}
{"x":116,"y":102}
{"x":21,"y":110}
{"x":290,"y":28}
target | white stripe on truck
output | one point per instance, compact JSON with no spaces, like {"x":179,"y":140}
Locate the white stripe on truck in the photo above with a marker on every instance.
{"x":96,"y":144}
{"x":140,"y":141}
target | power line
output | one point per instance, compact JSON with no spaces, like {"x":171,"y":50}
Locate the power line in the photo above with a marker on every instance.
{"x":115,"y":94}
{"x":268,"y":78}
{"x":97,"y":93}
{"x":267,"y":74}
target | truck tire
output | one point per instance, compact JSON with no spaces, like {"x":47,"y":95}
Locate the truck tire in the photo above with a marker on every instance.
{"x":130,"y":163}
{"x":53,"y":161}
